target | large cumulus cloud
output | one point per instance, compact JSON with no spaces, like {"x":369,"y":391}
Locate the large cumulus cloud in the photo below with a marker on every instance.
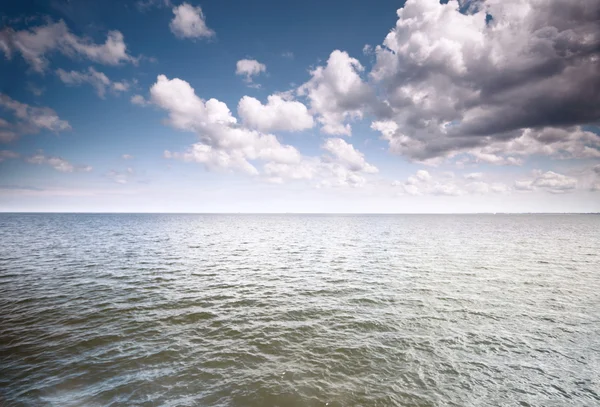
{"x":461,"y":78}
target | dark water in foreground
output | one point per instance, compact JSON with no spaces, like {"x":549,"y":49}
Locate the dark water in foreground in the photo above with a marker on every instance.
{"x":250,"y":310}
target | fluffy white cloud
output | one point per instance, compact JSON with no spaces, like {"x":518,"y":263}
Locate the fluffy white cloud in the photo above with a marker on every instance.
{"x":189,"y":22}
{"x":35,"y":44}
{"x":346,"y":154}
{"x":225,"y":145}
{"x":249,"y":68}
{"x":337,"y":93}
{"x":59,"y":164}
{"x":28,"y":119}
{"x":458,"y":80}
{"x":98,"y":80}
{"x":277,"y":115}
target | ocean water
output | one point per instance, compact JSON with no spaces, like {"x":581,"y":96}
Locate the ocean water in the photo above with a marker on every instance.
{"x":295,"y":310}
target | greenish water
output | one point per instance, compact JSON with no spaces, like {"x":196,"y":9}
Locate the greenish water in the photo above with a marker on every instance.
{"x":294,"y":310}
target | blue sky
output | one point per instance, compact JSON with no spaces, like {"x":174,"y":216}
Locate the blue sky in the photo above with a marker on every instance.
{"x":227,"y":106}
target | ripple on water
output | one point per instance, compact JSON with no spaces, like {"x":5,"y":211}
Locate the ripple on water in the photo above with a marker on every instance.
{"x":188,"y":310}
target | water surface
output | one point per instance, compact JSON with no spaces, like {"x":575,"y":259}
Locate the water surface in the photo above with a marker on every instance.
{"x":294,"y":310}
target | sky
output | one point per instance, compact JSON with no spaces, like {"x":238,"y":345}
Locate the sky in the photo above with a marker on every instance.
{"x":306,"y":107}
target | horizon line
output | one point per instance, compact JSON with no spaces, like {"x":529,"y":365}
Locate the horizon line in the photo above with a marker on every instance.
{"x":293,"y":213}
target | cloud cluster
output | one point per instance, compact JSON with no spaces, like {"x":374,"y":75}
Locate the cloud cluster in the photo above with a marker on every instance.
{"x":98,"y":80}
{"x":424,"y":183}
{"x":458,"y":80}
{"x":35,"y":44}
{"x":549,"y":181}
{"x":189,"y":22}
{"x":59,"y":164}
{"x":28,"y":119}
{"x":226,"y":145}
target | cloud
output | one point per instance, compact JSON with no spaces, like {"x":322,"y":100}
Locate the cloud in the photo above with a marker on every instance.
{"x":424,"y":183}
{"x":35,"y":90}
{"x":35,"y":44}
{"x":189,"y":22}
{"x":346,"y":154}
{"x":59,"y":164}
{"x":28,"y":119}
{"x":98,"y":80}
{"x":548,"y":181}
{"x":225,"y":145}
{"x":145,"y":5}
{"x":127,"y":156}
{"x":337,"y":93}
{"x":249,"y":68}
{"x":277,"y":115}
{"x":138,"y":100}
{"x":288,"y":55}
{"x":7,"y":154}
{"x":121,"y":177}
{"x":474,"y":176}
{"x":457,"y":80}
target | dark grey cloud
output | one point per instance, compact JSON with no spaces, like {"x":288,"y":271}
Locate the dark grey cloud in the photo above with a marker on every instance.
{"x":456,"y":79}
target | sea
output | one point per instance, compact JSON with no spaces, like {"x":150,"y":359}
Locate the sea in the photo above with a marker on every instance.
{"x":299,"y":310}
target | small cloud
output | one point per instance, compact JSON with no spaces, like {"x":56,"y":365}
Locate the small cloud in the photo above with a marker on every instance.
{"x":189,"y":22}
{"x":367,"y":49}
{"x":58,"y":163}
{"x":474,"y":176}
{"x":127,"y":156}
{"x":138,"y":100}
{"x":7,"y":154}
{"x":36,"y":90}
{"x":249,"y":68}
{"x":288,"y":55}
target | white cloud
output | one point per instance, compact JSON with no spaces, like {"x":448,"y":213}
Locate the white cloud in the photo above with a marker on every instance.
{"x":138,"y":100}
{"x":35,"y":44}
{"x":549,"y":181}
{"x":346,"y":154}
{"x":277,"y":115}
{"x":127,"y":156}
{"x":249,"y":68}
{"x":121,"y":177}
{"x":98,"y":80}
{"x":423,"y":175}
{"x":337,"y":93}
{"x":28,"y":119}
{"x":226,"y":145}
{"x":59,"y":164}
{"x":474,"y":176}
{"x":189,"y":22}
{"x":288,"y":55}
{"x":424,"y":183}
